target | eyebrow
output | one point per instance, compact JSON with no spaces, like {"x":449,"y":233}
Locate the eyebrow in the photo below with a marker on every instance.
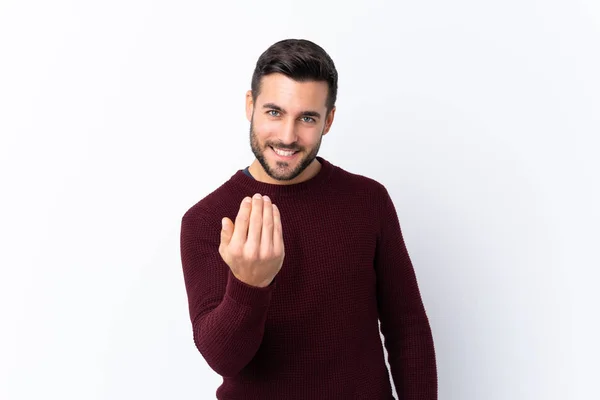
{"x":307,"y":113}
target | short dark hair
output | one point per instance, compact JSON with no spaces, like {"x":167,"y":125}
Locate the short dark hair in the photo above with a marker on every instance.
{"x":301,"y":60}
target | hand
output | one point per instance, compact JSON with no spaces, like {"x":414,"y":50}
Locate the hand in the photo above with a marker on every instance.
{"x":253,"y":248}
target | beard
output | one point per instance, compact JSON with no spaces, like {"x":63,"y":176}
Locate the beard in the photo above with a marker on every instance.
{"x":282,"y":171}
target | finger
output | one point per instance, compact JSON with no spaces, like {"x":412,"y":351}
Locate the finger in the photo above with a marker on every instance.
{"x":255,"y":227}
{"x":278,"y":246}
{"x":266,"y":238}
{"x":226,"y":231}
{"x":240,"y":230}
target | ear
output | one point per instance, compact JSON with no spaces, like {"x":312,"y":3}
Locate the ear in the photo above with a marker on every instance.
{"x":249,"y":105}
{"x":329,"y":121}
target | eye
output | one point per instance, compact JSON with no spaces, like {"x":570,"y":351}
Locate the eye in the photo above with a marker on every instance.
{"x":309,"y":120}
{"x":273,"y":113}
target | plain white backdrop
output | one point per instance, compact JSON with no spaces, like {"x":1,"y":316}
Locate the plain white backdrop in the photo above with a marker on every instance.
{"x":481,"y":118}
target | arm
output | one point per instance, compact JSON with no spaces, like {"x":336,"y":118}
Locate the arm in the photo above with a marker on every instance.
{"x":228,"y":315}
{"x":404,"y":324}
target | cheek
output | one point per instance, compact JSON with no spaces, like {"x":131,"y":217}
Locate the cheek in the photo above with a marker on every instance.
{"x":313,"y":135}
{"x":260,"y":124}
{"x":265,"y":130}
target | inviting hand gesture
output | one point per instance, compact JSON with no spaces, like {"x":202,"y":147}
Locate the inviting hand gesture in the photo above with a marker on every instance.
{"x":253,"y":248}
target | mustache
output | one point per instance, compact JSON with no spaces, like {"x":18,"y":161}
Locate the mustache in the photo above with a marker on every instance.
{"x":284,"y":147}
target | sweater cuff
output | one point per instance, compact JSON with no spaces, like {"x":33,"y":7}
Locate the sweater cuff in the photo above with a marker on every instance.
{"x":248,"y":295}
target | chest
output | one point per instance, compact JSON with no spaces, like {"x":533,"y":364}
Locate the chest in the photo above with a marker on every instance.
{"x":328,"y":266}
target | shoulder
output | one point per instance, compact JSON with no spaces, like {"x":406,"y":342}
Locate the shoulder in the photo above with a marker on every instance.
{"x":216,"y":204}
{"x":346,"y":181}
{"x":367,"y":191}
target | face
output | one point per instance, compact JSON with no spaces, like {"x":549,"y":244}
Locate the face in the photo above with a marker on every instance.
{"x":287,"y":122}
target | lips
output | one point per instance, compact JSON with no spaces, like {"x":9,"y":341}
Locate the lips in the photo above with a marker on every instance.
{"x":284,"y":153}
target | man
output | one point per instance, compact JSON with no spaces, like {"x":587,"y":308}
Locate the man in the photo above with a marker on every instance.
{"x":290,"y":264}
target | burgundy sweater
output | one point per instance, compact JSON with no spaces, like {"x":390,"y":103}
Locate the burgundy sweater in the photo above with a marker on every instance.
{"x":313,"y":333}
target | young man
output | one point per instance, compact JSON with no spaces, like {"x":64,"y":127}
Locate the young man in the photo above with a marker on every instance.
{"x":290,"y":264}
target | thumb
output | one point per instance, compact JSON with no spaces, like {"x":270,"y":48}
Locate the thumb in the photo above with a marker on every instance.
{"x":226,"y":231}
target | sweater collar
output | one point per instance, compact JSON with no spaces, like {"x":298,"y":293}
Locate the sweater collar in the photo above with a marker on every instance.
{"x":254,"y":186}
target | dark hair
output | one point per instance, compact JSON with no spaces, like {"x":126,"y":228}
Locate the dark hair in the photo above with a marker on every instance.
{"x":301,"y":60}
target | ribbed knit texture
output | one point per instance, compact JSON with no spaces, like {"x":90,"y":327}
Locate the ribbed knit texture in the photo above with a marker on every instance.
{"x":313,"y":333}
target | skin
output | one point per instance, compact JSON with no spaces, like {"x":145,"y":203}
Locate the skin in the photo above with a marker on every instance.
{"x":253,"y":248}
{"x":289,"y":115}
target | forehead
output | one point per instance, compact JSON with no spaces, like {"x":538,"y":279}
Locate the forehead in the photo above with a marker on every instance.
{"x":290,"y":94}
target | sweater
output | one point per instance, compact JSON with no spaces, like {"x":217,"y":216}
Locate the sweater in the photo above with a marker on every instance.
{"x":314,"y":332}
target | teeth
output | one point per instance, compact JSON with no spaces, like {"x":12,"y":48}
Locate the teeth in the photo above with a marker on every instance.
{"x":283,"y":152}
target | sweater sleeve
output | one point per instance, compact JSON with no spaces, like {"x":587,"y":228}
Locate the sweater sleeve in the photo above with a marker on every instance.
{"x":404,"y":323}
{"x":227,"y":315}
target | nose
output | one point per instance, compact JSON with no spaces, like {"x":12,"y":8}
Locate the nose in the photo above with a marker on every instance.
{"x":287,"y":135}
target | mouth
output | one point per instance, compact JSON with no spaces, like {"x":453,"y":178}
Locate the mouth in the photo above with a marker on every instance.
{"x":284,"y":154}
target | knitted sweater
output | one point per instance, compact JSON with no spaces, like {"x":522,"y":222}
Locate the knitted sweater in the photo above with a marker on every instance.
{"x":313,"y":333}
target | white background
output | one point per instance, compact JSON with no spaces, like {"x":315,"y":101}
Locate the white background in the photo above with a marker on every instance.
{"x":481,"y":118}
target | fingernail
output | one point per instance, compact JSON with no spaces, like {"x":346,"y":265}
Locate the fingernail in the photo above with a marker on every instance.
{"x":223,"y":223}
{"x":266,"y":198}
{"x":247,"y":199}
{"x":257,"y":196}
